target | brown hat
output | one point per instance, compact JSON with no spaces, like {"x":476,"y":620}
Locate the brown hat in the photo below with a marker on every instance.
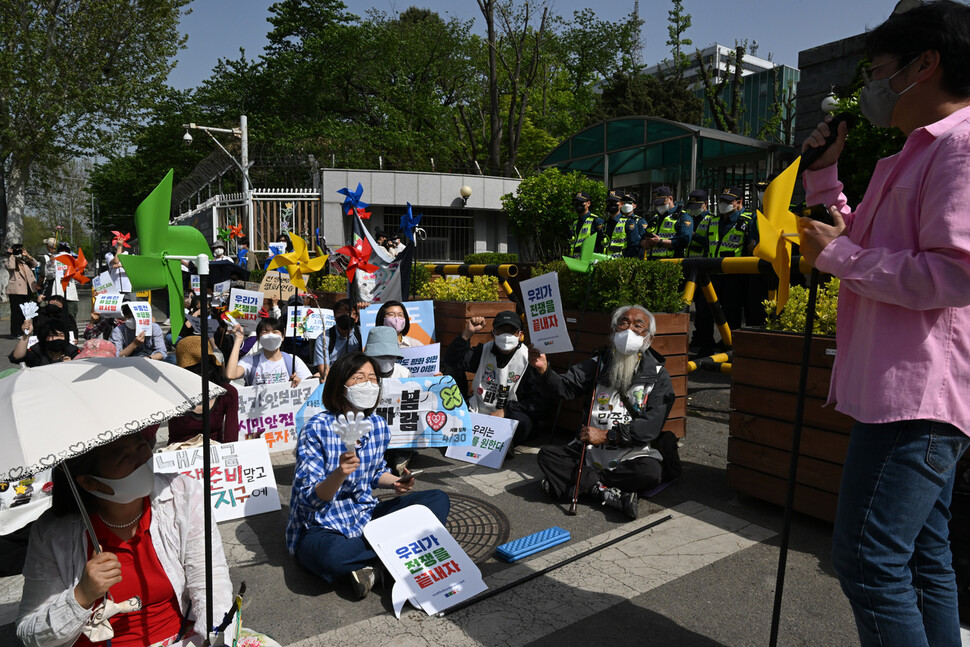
{"x":188,"y":352}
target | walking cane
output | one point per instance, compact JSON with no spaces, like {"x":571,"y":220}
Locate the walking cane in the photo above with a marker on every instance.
{"x":582,"y":457}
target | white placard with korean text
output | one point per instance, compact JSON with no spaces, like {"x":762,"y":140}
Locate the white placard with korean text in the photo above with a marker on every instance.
{"x":308,"y":322}
{"x":268,"y":411}
{"x":544,"y":318}
{"x":428,"y":566}
{"x":102,"y":284}
{"x":108,"y":305}
{"x":244,"y":306}
{"x":143,"y":317}
{"x":196,"y":284}
{"x":243,"y":483}
{"x":491,"y":440}
{"x":422,"y":361}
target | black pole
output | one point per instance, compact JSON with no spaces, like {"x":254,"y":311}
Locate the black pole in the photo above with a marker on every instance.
{"x":796,"y":441}
{"x":206,"y":434}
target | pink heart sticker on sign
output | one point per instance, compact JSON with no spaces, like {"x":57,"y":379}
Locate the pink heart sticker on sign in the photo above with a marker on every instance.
{"x":436,"y":419}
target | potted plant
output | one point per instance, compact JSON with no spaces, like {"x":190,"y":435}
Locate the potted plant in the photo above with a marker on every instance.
{"x":765,"y":375}
{"x":457,"y":299}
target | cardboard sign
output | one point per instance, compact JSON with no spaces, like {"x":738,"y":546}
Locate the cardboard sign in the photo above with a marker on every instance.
{"x":429,"y":568}
{"x":307,"y":322}
{"x":143,"y":317}
{"x":420,"y":314}
{"x":277,"y":285}
{"x":424,"y":412}
{"x":242,"y":479}
{"x":23,"y":501}
{"x":268,"y":411}
{"x":195,"y":284}
{"x":108,"y":305}
{"x":545,"y":322}
{"x":244,"y":306}
{"x":491,"y":440}
{"x":422,"y":361}
{"x":102,"y":284}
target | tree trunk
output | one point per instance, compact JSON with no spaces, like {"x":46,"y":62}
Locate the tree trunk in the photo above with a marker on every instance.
{"x":495,"y":117}
{"x":16,"y":196}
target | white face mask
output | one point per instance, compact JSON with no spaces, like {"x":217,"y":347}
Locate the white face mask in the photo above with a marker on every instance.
{"x":130,"y":488}
{"x":363,"y":396}
{"x":506,"y":342}
{"x":385,"y":364}
{"x":627,"y":209}
{"x":627,"y":342}
{"x":696,"y":212}
{"x":662,"y":209}
{"x":725,"y":208}
{"x":218,"y":252}
{"x":270,"y":341}
{"x":878,"y":99}
{"x":131,"y":323}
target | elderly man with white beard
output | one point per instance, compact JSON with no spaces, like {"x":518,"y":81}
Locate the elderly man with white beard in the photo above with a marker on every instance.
{"x":630,"y":394}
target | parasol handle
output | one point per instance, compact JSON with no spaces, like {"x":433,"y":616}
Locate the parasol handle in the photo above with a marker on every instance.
{"x":84,"y":512}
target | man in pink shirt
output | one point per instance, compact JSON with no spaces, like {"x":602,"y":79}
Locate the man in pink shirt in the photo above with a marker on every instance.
{"x":903,"y":364}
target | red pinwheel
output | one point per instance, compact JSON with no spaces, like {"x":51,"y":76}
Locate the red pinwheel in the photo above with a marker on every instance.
{"x":359,"y":256}
{"x":120,"y":238}
{"x":76,"y":268}
{"x":235,"y":231}
{"x":363,"y":215}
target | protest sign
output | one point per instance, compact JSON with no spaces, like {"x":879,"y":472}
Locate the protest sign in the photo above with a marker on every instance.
{"x":428,"y":566}
{"x":422,"y":361}
{"x":221,"y":290}
{"x":543,"y":311}
{"x":306,"y":321}
{"x":310,"y":408}
{"x":23,"y":501}
{"x":268,"y":411}
{"x":243,"y":483}
{"x":420,"y":314}
{"x":491,"y":440}
{"x":424,"y":412}
{"x":142,"y":313}
{"x":195,"y":284}
{"x":276,"y":285}
{"x":276,"y":248}
{"x":244,"y":306}
{"x":102,"y":284}
{"x":108,"y":305}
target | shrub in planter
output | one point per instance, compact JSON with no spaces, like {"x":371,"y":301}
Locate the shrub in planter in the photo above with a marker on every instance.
{"x":792,"y":317}
{"x":420,"y":277}
{"x":461,"y":288}
{"x":256,"y":276}
{"x":491,"y":258}
{"x":656,"y":286}
{"x":319,"y":282}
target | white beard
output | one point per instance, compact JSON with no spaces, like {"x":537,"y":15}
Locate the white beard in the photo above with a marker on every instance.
{"x":620,"y":374}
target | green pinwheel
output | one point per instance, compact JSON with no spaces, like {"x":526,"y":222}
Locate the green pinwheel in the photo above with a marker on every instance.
{"x":153,"y":269}
{"x":587,"y":257}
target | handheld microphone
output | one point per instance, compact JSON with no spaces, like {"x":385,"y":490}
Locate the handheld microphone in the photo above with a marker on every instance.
{"x":810,"y":156}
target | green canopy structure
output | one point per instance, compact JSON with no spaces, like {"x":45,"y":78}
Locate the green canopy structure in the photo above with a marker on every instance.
{"x":639,"y":153}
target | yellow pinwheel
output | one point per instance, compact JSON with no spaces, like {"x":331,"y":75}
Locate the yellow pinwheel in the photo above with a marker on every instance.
{"x":298,"y":262}
{"x":778,"y":229}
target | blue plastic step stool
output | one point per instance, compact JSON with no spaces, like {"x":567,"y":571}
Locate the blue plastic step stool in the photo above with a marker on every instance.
{"x":532,"y":544}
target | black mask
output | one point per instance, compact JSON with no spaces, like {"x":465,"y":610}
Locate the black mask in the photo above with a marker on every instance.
{"x":56,"y":345}
{"x":344,"y":322}
{"x":580,"y":207}
{"x":613,"y":207}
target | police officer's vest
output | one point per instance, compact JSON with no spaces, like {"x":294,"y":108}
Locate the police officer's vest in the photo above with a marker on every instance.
{"x":584,"y":232}
{"x":732,"y":243}
{"x":666,"y":230}
{"x":494,"y":386}
{"x":618,"y":240}
{"x":698,"y":246}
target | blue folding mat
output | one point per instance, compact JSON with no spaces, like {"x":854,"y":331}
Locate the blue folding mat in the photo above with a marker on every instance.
{"x":532,"y":544}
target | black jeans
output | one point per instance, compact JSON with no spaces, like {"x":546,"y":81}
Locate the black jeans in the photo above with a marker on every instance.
{"x":560,"y":462}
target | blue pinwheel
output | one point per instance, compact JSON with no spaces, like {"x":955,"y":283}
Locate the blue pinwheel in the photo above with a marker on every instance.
{"x":409,"y":222}
{"x":352,"y":202}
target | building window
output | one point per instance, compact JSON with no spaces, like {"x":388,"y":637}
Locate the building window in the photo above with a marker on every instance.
{"x":451,"y":232}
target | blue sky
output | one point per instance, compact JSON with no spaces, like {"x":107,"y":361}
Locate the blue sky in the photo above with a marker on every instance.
{"x":218,"y":28}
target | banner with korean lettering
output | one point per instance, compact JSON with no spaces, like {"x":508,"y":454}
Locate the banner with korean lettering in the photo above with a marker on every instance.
{"x":244,"y":306}
{"x":268,"y":411}
{"x":242,"y":479}
{"x":108,"y":305}
{"x":544,"y":318}
{"x":429,"y":567}
{"x":102,"y":284}
{"x":491,"y":440}
{"x":307,"y":322}
{"x":422,"y":361}
{"x":424,"y":412}
{"x":420,"y":316}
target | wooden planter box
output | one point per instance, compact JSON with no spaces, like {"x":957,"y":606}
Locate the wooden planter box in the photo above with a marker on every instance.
{"x":763,"y":399}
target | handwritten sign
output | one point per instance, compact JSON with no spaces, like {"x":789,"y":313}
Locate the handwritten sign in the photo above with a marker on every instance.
{"x":102,"y":284}
{"x":420,"y":314}
{"x":108,"y":305}
{"x":491,"y":440}
{"x":422,"y":361}
{"x":244,"y":306}
{"x":307,"y":322}
{"x":543,"y":310}
{"x":242,"y":479}
{"x":277,"y":285}
{"x":424,"y":412}
{"x":428,"y":566}
{"x":268,"y":411}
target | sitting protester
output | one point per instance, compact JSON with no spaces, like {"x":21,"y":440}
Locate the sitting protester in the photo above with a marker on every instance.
{"x":141,"y":345}
{"x":340,"y":339}
{"x":223,"y":410}
{"x":52,"y":345}
{"x":99,"y":327}
{"x":501,"y":369}
{"x":332,"y":498}
{"x":271,"y":365}
{"x":394,"y":315}
{"x":382,"y":347}
{"x":56,"y":308}
{"x":631,"y":396}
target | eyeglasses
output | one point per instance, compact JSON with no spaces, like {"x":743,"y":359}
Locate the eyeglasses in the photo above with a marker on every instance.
{"x":868,"y":69}
{"x":638,"y":326}
{"x":360,"y":378}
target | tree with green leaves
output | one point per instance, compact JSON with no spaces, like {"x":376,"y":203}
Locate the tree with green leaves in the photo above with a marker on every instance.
{"x":624,"y":95}
{"x":678,"y":22}
{"x":723,"y":89}
{"x":74,"y":76}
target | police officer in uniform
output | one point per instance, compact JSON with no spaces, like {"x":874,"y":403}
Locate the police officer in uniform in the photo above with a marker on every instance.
{"x":696,"y":208}
{"x":732,"y":232}
{"x":671,"y":229}
{"x":621,"y":227}
{"x":587,"y":224}
{"x":636,"y":226}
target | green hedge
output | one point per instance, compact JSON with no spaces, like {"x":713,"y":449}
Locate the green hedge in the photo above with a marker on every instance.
{"x":491,"y":258}
{"x":792,"y":317}
{"x":461,"y":288}
{"x":420,"y":277}
{"x":256,"y":276}
{"x":320,"y":282}
{"x":654,"y":285}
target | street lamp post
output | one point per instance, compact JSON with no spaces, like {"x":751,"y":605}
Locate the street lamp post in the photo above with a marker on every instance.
{"x":243,"y":134}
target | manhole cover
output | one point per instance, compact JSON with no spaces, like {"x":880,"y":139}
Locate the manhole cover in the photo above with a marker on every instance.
{"x":478,"y":526}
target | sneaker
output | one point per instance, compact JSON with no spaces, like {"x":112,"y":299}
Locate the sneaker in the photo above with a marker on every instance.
{"x":363,"y":581}
{"x":626,"y":502}
{"x":547,"y":489}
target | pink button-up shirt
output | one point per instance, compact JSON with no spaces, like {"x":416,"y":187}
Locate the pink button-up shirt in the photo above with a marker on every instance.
{"x":903,"y":330}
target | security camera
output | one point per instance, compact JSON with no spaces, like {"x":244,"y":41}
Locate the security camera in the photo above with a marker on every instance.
{"x":187,"y":137}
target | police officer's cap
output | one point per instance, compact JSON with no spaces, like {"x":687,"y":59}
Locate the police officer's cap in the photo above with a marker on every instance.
{"x":660,"y":195}
{"x":697,"y":198}
{"x":630,"y":197}
{"x":730,"y":194}
{"x":582,"y":196}
{"x":507,"y":318}
{"x":613,"y":196}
